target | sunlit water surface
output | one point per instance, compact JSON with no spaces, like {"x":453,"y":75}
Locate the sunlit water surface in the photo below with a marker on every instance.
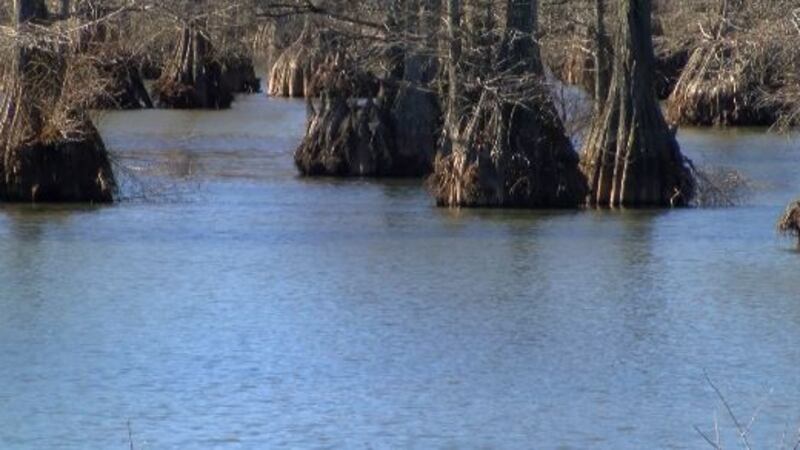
{"x":229,"y":304}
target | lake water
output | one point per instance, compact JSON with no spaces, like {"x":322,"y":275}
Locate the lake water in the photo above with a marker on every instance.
{"x":232,"y":305}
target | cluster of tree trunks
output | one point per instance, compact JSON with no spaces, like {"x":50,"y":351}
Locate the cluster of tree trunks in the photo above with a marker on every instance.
{"x":503,"y":142}
{"x":727,"y":76}
{"x":710,"y":94}
{"x":41,"y":162}
{"x":126,"y":89}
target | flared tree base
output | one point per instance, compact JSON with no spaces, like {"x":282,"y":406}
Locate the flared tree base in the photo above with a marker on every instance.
{"x":64,"y":171}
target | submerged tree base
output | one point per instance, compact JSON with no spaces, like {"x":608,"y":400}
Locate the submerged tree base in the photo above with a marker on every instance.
{"x":194,"y":78}
{"x":61,"y":171}
{"x":351,"y":137}
{"x":209,"y":90}
{"x":509,"y":156}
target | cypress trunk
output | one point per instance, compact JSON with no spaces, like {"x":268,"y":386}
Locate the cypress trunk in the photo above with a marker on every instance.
{"x":416,"y":113}
{"x":511,"y":150}
{"x":42,"y":161}
{"x":193,"y":78}
{"x":602,"y":55}
{"x":391,"y":133}
{"x":631,"y":157}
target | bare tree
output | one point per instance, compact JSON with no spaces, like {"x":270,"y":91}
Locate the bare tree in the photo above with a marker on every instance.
{"x":506,"y":145}
{"x":631,"y":157}
{"x":50,"y":149}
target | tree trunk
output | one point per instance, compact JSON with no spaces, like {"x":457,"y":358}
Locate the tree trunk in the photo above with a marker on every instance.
{"x":512,"y":150}
{"x":41,"y":161}
{"x":631,"y":157}
{"x":602,"y":53}
{"x":416,"y":113}
{"x":391,"y":133}
{"x":453,"y":22}
{"x":521,"y":46}
{"x":192,"y":79}
{"x":28,"y":11}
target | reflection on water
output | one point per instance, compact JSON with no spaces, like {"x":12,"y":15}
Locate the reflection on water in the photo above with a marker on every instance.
{"x":261,"y":310}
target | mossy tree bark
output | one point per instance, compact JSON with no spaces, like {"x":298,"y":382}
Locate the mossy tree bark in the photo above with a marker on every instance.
{"x":631,"y":157}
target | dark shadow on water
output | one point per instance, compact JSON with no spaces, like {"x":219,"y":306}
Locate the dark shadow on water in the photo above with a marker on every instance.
{"x":24,"y":230}
{"x":26,"y":221}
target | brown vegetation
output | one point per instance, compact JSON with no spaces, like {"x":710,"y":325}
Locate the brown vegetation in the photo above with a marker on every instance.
{"x":571,"y":41}
{"x":50,"y":150}
{"x":456,"y":88}
{"x":735,"y":67}
{"x":789,"y":223}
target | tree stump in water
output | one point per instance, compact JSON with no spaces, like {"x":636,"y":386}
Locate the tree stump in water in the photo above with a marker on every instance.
{"x":631,"y":157}
{"x":509,"y":155}
{"x":193,"y":79}
{"x":363,"y":127}
{"x":68,"y":169}
{"x":346,"y":138}
{"x":511,"y":150}
{"x":49,"y":151}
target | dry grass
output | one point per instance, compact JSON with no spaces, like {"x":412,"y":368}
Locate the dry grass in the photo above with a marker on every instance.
{"x":789,"y":223}
{"x":737,"y":66}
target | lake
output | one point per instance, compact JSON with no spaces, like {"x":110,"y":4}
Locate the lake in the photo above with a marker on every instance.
{"x":228,"y":304}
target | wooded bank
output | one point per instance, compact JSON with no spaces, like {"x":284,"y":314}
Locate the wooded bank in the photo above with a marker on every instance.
{"x":460,"y":91}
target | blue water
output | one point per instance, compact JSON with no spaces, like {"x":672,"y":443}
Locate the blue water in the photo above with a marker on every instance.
{"x":229,"y":304}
